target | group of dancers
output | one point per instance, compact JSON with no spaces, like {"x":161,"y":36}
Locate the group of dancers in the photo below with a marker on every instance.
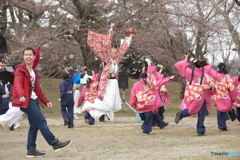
{"x":204,"y":84}
{"x":100,"y":94}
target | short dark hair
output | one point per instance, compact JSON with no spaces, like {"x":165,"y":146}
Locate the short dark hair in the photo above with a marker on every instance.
{"x":200,"y":63}
{"x":15,"y":64}
{"x":114,"y":45}
{"x":143,"y":75}
{"x":89,"y":81}
{"x":64,"y":75}
{"x":29,"y":48}
{"x":222,"y":68}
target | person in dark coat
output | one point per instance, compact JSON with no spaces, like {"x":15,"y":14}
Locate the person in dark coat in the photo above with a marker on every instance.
{"x":66,"y":99}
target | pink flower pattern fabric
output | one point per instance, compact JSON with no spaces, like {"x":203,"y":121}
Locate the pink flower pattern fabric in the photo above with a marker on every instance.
{"x":165,"y":94}
{"x":89,"y":94}
{"x":195,"y":94}
{"x":224,"y":89}
{"x":146,"y":97}
{"x":236,"y":99}
{"x":101,"y":45}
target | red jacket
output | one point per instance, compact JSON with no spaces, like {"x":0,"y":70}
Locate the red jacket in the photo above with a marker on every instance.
{"x":22,"y":87}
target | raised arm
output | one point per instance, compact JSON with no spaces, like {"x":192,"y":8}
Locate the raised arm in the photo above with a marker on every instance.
{"x":95,"y":76}
{"x":37,"y":57}
{"x":110,"y":32}
{"x":100,"y":43}
{"x":212,"y":72}
{"x":125,"y":44}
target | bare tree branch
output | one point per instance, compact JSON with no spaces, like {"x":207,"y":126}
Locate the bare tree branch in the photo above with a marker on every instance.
{"x":237,"y":2}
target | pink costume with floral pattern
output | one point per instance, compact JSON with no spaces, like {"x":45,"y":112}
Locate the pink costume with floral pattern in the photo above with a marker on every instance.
{"x":101,"y":45}
{"x":145,"y":97}
{"x":162,"y":81}
{"x":224,"y":89}
{"x":195,"y":93}
{"x":236,"y":95}
{"x":108,"y":98}
{"x":89,"y":94}
{"x":165,"y":95}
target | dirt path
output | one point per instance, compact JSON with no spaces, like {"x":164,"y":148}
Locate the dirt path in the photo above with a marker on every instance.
{"x":123,"y":140}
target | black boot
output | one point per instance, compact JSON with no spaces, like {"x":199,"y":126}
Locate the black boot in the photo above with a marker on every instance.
{"x":35,"y":153}
{"x":11,"y":128}
{"x":178,"y":117}
{"x":57,"y":145}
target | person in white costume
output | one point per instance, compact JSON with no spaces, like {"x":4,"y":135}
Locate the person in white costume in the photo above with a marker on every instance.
{"x":13,"y":115}
{"x":108,"y":98}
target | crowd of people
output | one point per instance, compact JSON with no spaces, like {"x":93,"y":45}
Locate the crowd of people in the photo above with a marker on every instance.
{"x":97,"y":94}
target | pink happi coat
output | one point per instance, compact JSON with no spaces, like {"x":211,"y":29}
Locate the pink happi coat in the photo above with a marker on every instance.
{"x":89,"y":94}
{"x":195,"y":94}
{"x":101,"y":45}
{"x":224,"y":89}
{"x":165,"y":95}
{"x":162,"y":81}
{"x":236,"y":95}
{"x":146,"y":98}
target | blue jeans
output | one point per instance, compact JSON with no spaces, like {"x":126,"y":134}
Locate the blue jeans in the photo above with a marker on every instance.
{"x":67,"y":114}
{"x":37,"y":122}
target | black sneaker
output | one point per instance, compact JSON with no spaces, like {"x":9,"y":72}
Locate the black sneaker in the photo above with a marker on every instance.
{"x":66,"y":123}
{"x":60,"y":144}
{"x":200,"y":134}
{"x":164,"y":126}
{"x":145,"y":133}
{"x":11,"y":128}
{"x":223,"y":129}
{"x":35,"y":153}
{"x":178,"y":117}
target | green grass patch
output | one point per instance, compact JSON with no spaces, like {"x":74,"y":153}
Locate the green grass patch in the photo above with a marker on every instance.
{"x":51,"y":89}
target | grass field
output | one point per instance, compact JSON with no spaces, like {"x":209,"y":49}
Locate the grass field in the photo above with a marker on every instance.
{"x":51,"y":90}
